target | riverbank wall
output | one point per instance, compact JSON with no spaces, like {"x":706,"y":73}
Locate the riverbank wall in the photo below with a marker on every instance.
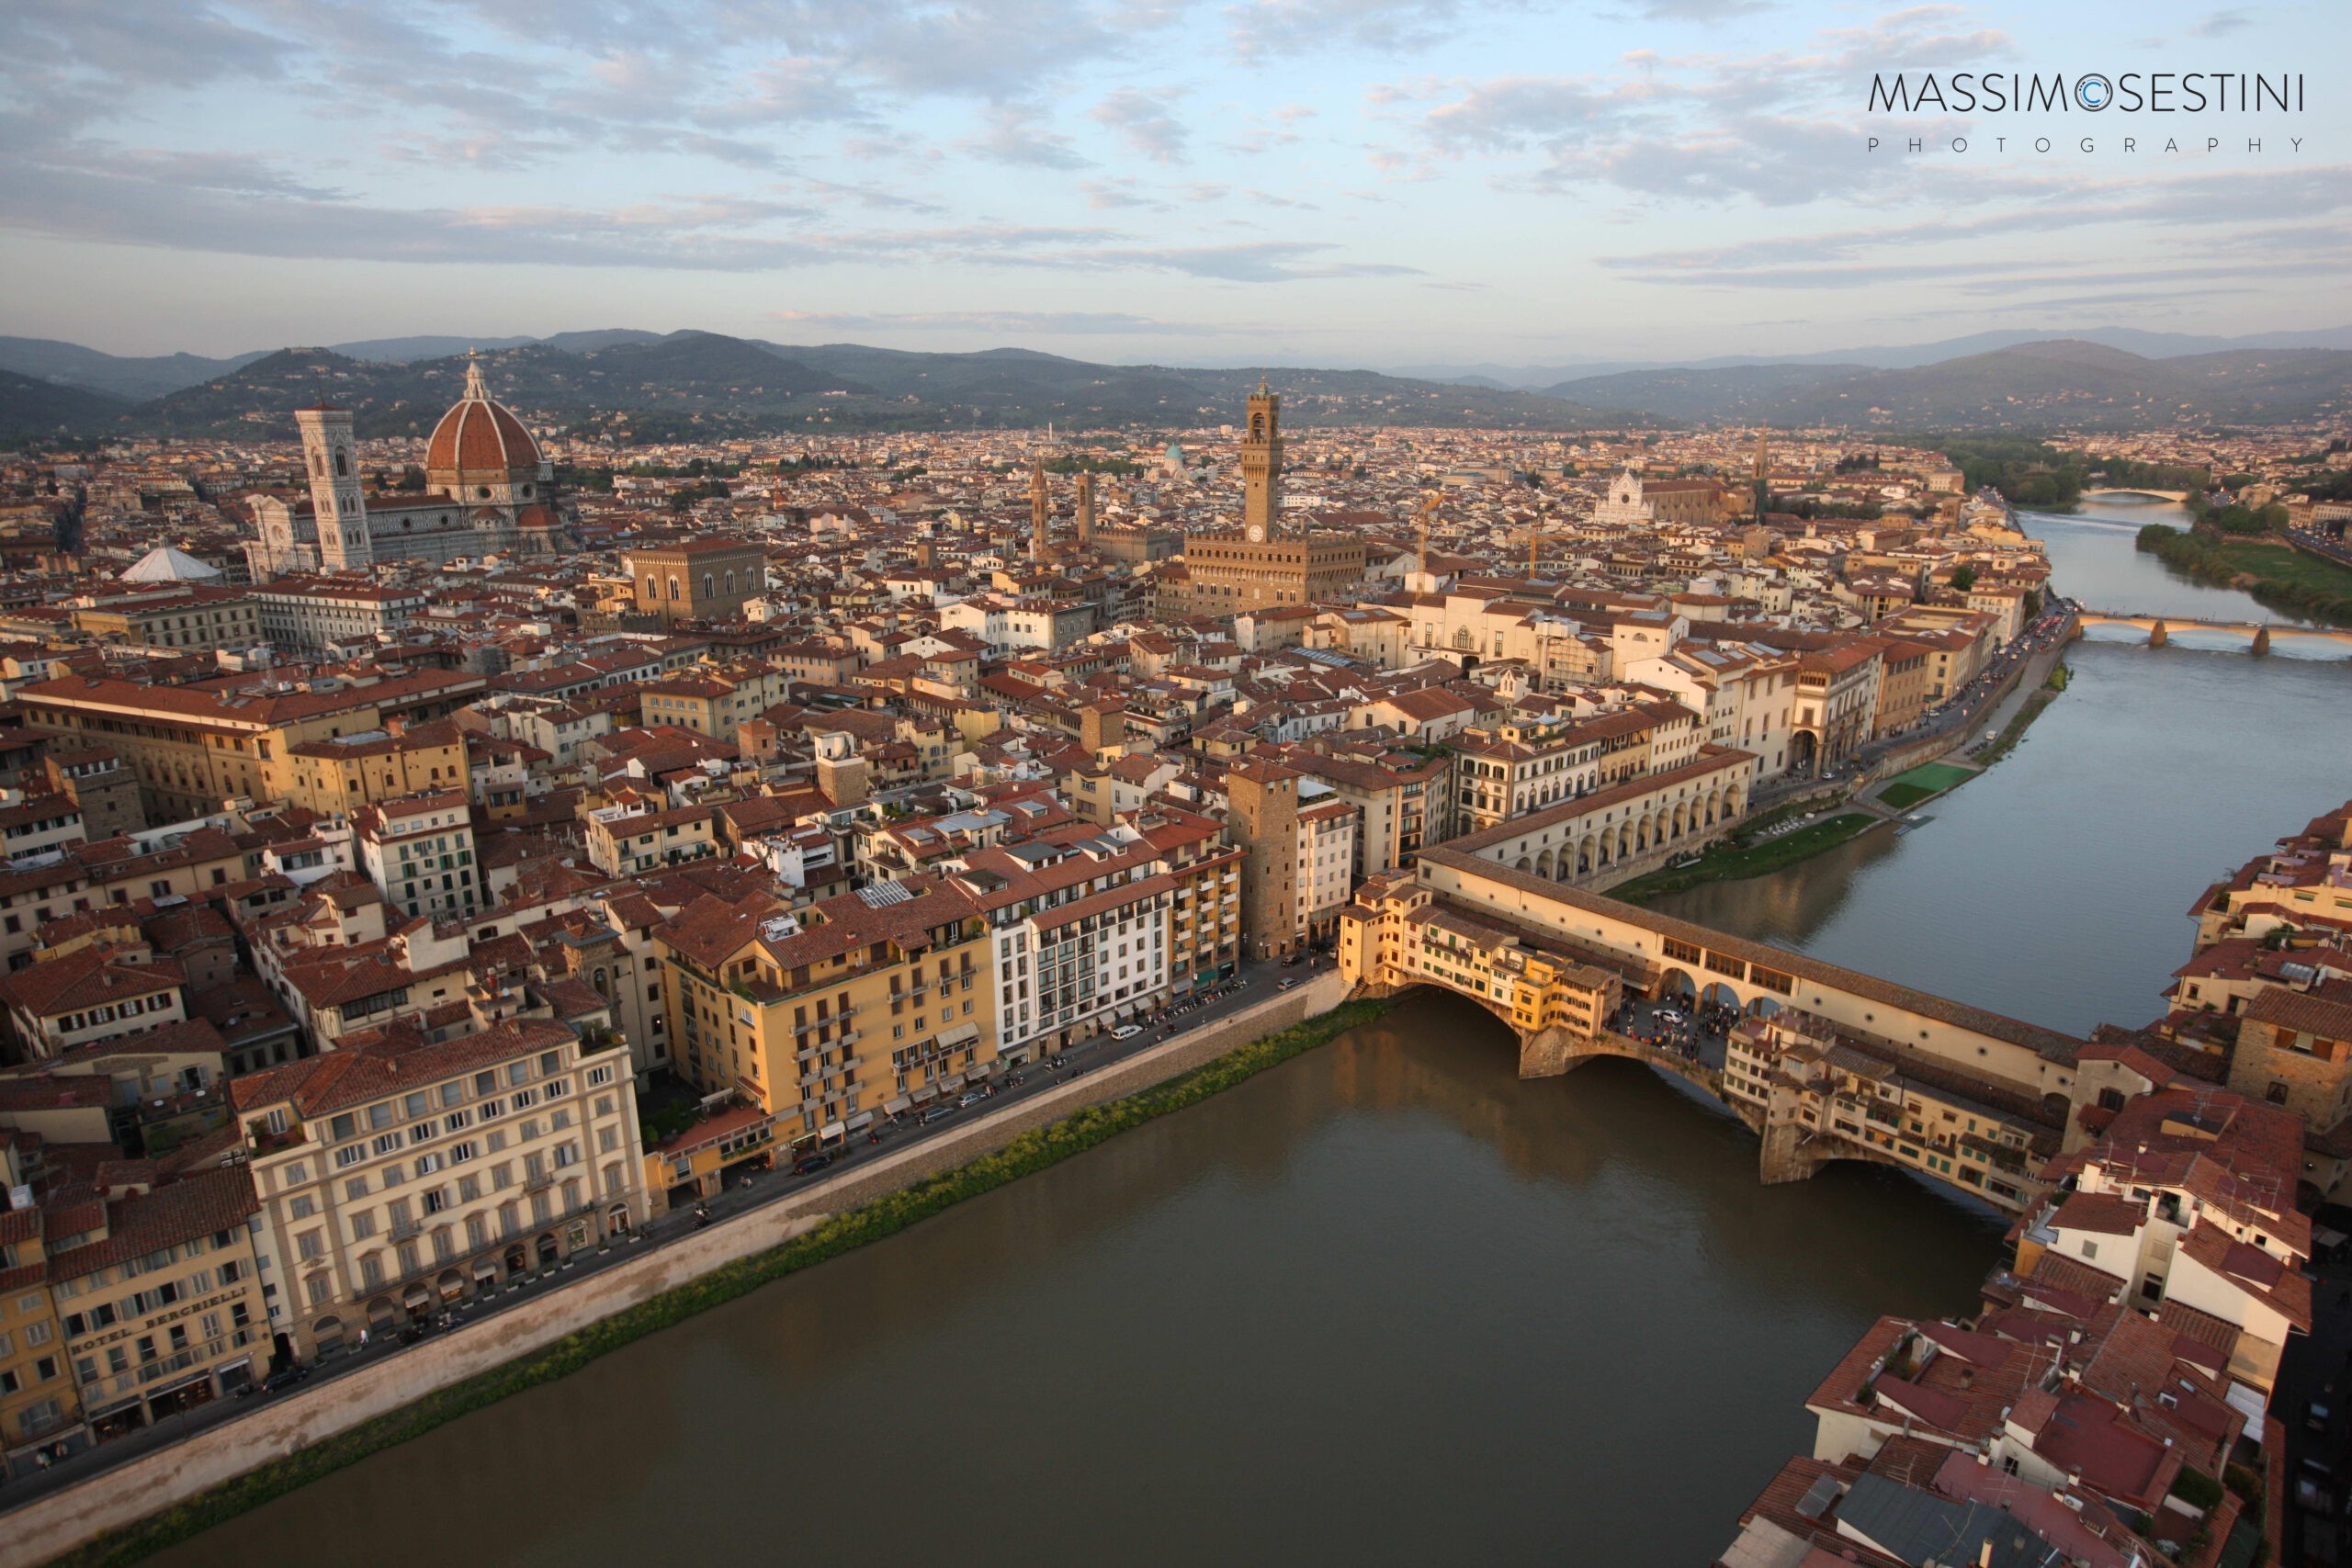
{"x":59,"y":1522}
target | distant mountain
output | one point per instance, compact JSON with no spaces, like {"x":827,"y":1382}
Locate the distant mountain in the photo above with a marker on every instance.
{"x":1737,"y":394}
{"x":709,"y":384}
{"x":401,"y":349}
{"x":648,"y":387}
{"x":605,"y":337}
{"x":1902,"y":356}
{"x":135,"y":380}
{"x":32,"y":406}
{"x":2036,"y":386}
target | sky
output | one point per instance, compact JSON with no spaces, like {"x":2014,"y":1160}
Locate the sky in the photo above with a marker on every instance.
{"x":1326,"y":182}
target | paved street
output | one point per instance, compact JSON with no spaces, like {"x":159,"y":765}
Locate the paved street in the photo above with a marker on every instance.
{"x":2319,"y":1366}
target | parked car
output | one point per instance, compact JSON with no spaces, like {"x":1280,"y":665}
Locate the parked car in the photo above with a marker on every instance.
{"x":279,"y":1382}
{"x":1127,"y":1032}
{"x":809,"y":1164}
{"x":1286,"y":985}
{"x":972,"y":1098}
{"x":934,"y":1113}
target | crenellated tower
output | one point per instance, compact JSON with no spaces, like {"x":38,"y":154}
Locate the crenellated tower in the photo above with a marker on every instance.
{"x":1261,"y":466}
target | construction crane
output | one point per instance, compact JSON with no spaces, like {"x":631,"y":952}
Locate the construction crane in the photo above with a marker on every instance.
{"x":1428,"y":507}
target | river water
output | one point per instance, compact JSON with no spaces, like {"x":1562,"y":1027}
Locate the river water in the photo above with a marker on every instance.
{"x":1383,"y":1304}
{"x":1387,"y":1303}
{"x":2056,"y":887}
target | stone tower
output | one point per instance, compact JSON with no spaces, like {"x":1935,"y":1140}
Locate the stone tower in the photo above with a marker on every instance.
{"x":333,"y":457}
{"x":1261,"y":816}
{"x":1041,"y":520}
{"x":1261,"y":466}
{"x":1085,"y":507}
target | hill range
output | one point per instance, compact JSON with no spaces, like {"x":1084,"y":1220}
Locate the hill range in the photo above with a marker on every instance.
{"x":645,"y":387}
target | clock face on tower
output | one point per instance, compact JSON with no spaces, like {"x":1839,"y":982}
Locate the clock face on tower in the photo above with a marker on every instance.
{"x":1257,"y":534}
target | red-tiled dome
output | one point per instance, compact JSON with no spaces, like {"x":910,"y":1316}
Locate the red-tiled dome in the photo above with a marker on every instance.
{"x":478,"y":436}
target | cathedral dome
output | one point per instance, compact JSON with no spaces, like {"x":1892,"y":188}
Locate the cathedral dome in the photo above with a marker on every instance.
{"x":480,"y":441}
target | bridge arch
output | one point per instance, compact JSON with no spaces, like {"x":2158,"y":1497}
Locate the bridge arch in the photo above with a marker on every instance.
{"x":1763,"y":1006}
{"x":1676,"y":984}
{"x":1720,"y":994}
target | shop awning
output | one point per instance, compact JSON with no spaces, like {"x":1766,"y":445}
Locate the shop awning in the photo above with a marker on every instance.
{"x":896,"y":1104}
{"x":862,"y":1119}
{"x":832,"y":1130}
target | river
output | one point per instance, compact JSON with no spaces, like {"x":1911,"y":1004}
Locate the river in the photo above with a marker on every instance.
{"x":1388,"y":1303}
{"x":1383,"y":1304}
{"x":2056,"y":887}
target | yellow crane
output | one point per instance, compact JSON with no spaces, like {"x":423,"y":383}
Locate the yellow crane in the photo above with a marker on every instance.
{"x":1428,"y":507}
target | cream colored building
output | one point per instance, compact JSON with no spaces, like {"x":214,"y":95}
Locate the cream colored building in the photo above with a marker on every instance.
{"x":400,"y":1178}
{"x":161,"y":1296}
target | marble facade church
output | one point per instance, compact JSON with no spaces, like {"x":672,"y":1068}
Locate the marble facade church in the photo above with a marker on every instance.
{"x":487,"y":492}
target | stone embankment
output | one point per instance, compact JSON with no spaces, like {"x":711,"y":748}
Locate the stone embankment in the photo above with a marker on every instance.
{"x":60,"y":1522}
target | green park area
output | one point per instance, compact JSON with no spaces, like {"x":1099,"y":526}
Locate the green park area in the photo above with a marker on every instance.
{"x":1734,"y":858}
{"x":1923,"y":783}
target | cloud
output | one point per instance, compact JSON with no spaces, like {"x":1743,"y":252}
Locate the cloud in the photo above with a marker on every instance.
{"x":1014,"y":133}
{"x":1698,"y":10}
{"x":2220,"y":24}
{"x":1056,"y":323}
{"x":1260,"y":31}
{"x":1142,"y":120}
{"x":1266,"y":261}
{"x":1109,"y":193}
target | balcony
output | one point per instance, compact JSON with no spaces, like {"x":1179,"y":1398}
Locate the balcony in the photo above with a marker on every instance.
{"x":407,"y":1229}
{"x":540,"y":1183}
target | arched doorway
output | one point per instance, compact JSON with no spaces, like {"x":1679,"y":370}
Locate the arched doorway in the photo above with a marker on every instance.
{"x":550,"y":1254}
{"x":326,"y":1335}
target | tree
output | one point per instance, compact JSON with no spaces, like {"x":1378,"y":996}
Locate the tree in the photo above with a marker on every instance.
{"x":1963,"y":580}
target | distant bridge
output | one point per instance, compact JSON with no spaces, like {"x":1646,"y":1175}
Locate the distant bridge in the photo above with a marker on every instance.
{"x":2135,"y":491}
{"x":2260,"y":636}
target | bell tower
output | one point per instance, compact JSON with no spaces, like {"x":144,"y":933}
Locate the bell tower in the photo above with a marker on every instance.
{"x":333,"y":459}
{"x":1261,"y":466}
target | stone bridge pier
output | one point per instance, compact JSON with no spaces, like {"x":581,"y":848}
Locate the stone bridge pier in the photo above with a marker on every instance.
{"x":1546,"y":1054}
{"x":1783,"y":1157}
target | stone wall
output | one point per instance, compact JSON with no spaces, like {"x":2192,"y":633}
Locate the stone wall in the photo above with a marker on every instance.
{"x":61,"y":1520}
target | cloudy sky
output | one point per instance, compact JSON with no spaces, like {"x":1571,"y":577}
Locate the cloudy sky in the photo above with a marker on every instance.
{"x":1364,"y":181}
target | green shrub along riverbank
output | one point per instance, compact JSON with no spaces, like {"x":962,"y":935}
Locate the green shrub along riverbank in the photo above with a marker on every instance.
{"x":2282,"y":578}
{"x":1030,"y":1152}
{"x":1733,"y":859}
